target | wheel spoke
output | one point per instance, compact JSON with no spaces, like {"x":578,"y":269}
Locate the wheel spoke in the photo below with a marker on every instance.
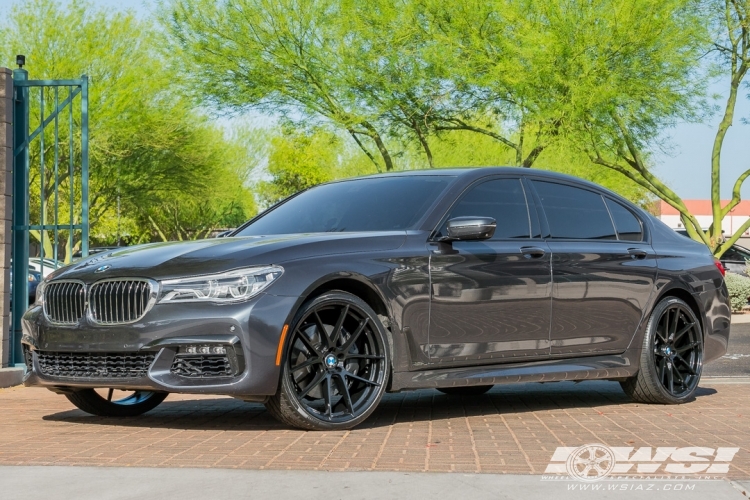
{"x":679,"y":375}
{"x":110,"y":393}
{"x":667,"y":314}
{"x":682,"y":332}
{"x":690,"y":368}
{"x":673,"y":324}
{"x":315,"y":382}
{"x":660,"y":369}
{"x":308,"y":345}
{"x":309,"y":362}
{"x":350,"y":341}
{"x":670,"y":377}
{"x":328,"y":396}
{"x":364,"y":356}
{"x":337,"y":329}
{"x":344,"y":390}
{"x":684,"y":348}
{"x":322,"y":330}
{"x":357,"y":377}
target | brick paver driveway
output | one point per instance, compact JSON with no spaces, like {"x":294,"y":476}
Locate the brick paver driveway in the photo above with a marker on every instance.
{"x":512,"y":429}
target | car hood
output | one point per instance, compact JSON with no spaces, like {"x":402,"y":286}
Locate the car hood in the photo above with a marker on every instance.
{"x":174,"y":259}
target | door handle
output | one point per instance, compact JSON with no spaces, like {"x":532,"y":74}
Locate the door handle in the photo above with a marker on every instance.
{"x":533,"y":252}
{"x":637,"y":253}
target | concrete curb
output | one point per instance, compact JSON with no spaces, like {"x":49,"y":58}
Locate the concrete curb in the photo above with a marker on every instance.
{"x":11,"y":376}
{"x":726,"y":380}
{"x":738,"y":319}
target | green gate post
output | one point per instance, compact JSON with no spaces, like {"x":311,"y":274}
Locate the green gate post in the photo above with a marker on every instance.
{"x":20,"y":267}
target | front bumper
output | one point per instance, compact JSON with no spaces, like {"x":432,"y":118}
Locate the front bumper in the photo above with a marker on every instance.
{"x":249,"y":332}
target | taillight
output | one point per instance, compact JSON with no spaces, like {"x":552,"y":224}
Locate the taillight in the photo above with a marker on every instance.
{"x":720,"y":267}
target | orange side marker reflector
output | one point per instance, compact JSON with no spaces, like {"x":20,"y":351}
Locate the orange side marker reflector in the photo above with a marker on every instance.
{"x":281,"y":345}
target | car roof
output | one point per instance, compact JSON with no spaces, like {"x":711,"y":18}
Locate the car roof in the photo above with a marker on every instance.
{"x":472,"y":173}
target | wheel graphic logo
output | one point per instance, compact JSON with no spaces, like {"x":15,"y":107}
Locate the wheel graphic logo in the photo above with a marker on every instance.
{"x":590,"y":462}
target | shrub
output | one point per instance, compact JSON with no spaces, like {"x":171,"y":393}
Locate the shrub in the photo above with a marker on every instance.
{"x":739,"y":290}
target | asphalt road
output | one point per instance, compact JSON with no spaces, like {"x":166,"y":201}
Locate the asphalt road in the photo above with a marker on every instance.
{"x":736,"y":363}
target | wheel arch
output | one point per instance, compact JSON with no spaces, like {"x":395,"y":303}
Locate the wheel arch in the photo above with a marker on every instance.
{"x":359,"y":286}
{"x":684,"y":295}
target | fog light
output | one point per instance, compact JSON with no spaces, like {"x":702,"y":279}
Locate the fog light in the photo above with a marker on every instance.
{"x":203,"y":349}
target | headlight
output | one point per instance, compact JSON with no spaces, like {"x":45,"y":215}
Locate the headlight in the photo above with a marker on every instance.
{"x":40,"y":292}
{"x":232,"y":286}
{"x":32,"y":278}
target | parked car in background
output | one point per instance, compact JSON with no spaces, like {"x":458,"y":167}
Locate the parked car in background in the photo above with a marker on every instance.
{"x":35,"y":264}
{"x":34,"y":279}
{"x":734,"y":260}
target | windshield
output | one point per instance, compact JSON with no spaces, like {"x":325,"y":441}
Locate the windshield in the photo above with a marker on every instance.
{"x":371,"y":204}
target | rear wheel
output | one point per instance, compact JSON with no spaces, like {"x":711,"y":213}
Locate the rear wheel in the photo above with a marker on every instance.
{"x":116,"y":403}
{"x":467,"y":390}
{"x":336,"y":365}
{"x":671,"y":357}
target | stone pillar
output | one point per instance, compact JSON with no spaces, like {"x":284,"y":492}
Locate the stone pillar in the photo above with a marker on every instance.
{"x":9,"y":375}
{"x":6,"y":207}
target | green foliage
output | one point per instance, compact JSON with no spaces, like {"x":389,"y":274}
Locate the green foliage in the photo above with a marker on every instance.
{"x":739,"y":290}
{"x":299,"y":159}
{"x":150,"y":149}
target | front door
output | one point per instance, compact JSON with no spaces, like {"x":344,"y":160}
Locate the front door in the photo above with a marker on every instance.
{"x":603,"y":270}
{"x":490,"y":300}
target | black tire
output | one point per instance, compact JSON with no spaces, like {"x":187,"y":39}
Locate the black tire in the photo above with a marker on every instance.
{"x":356,"y":341}
{"x":671,"y":356}
{"x":466,"y":390}
{"x":135,"y":404}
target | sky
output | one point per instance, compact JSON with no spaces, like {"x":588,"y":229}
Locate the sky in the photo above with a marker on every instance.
{"x":686,"y":167}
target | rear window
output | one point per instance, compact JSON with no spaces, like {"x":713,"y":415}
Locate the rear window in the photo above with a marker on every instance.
{"x":627,"y":224}
{"x":370,"y":204}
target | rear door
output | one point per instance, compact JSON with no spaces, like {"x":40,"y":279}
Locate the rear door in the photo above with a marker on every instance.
{"x":490,"y":299}
{"x":602,"y":275}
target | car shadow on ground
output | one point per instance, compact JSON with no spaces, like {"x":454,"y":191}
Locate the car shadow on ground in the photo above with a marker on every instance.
{"x":223,"y":413}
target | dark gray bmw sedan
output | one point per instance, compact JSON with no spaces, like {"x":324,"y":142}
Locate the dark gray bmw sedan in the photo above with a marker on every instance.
{"x":448,"y":279}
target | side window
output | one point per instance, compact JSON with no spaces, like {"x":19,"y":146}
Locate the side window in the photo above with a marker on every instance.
{"x":574,"y":213}
{"x":628,"y":226}
{"x":501,"y":199}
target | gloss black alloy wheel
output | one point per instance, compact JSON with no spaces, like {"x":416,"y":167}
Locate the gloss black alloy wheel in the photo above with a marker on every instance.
{"x":672,"y":356}
{"x":115,"y":402}
{"x":335,"y":367}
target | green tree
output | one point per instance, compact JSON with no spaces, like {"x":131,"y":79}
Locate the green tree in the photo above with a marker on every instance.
{"x":278,"y":56}
{"x":148,"y":145}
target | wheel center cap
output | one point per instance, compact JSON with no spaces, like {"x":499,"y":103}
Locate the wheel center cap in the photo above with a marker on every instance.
{"x":667,"y":350}
{"x":331,"y":361}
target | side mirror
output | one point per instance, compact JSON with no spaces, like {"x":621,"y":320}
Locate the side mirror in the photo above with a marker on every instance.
{"x":470,"y":228}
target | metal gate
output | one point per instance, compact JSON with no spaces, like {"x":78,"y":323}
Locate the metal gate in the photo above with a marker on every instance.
{"x":51,"y":155}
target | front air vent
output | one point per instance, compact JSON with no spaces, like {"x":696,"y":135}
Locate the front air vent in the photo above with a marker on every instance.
{"x":120,"y":301}
{"x":65,"y":302}
{"x":202,"y":366}
{"x":118,"y":365}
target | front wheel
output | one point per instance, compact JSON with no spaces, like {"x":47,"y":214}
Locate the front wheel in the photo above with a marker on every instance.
{"x":335,"y":367}
{"x":671,"y":357}
{"x":116,"y":403}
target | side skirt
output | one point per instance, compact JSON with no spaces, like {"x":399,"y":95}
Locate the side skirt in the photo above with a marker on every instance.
{"x":619,"y":366}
